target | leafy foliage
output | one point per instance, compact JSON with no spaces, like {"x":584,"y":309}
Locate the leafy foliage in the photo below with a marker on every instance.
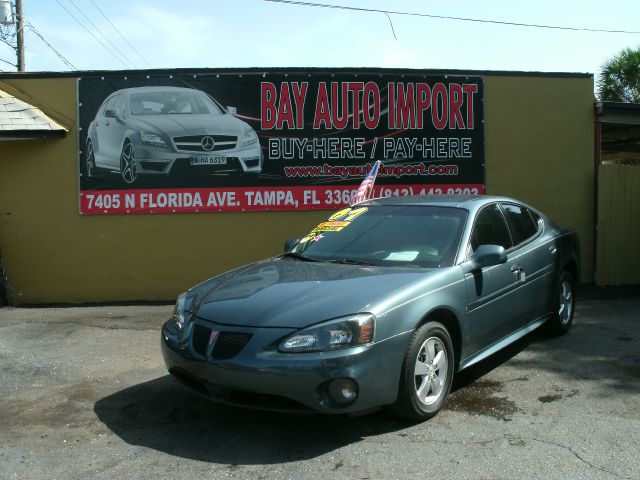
{"x":619,"y":80}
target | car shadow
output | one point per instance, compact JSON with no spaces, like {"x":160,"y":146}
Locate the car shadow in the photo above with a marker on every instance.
{"x":163,"y":415}
{"x":601,"y":346}
{"x":482,"y":368}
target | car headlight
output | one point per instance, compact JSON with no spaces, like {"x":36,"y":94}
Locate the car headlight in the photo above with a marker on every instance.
{"x":248,"y":138}
{"x":180,"y":311}
{"x":153,"y":139}
{"x":343,"y":332}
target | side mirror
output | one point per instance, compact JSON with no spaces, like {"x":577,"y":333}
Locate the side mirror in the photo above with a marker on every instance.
{"x":110,"y":113}
{"x":485,"y":256}
{"x":232,"y":110}
{"x":289,"y":244}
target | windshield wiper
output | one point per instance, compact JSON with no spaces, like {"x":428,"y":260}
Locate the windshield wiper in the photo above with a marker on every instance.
{"x":350,"y":261}
{"x":299,"y":256}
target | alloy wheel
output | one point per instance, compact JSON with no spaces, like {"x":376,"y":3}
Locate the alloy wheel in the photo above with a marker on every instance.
{"x":431,"y":370}
{"x":128,"y":164}
{"x":91,"y":160}
{"x":565,"y":309}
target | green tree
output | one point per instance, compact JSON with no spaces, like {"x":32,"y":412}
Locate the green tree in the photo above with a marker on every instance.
{"x":619,"y":80}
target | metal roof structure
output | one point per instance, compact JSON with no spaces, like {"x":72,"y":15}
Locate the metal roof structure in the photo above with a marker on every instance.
{"x":620,"y":126}
{"x":22,"y":121}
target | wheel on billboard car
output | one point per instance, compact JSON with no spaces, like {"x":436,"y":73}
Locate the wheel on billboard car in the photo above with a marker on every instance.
{"x":128,"y":163}
{"x":90,"y":162}
{"x":564,"y":307}
{"x":427,"y":373}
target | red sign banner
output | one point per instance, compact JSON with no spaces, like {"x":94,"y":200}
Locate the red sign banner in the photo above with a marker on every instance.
{"x":247,"y":199}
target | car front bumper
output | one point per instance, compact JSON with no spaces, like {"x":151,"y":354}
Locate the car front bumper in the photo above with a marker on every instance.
{"x":261,"y":377}
{"x":160,"y":161}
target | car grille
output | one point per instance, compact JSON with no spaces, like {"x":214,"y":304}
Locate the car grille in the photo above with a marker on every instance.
{"x":226,"y":346}
{"x":193,"y":143}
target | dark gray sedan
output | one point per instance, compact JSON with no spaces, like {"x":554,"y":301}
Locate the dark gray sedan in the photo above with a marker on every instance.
{"x":380,"y":305}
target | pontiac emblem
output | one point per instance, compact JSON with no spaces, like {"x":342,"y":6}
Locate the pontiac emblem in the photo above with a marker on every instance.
{"x":212,"y":337}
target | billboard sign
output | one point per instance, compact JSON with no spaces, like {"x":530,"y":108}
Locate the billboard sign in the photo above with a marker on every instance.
{"x":282,"y":140}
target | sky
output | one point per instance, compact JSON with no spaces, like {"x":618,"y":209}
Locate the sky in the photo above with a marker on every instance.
{"x":257,"y":33}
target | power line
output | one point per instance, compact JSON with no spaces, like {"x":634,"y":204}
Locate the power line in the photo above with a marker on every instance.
{"x":445,"y":17}
{"x":102,"y":34}
{"x":7,"y":62}
{"x":8,"y":43}
{"x":393,"y":30}
{"x":62,"y":57}
{"x":120,"y":33}
{"x":91,"y":33}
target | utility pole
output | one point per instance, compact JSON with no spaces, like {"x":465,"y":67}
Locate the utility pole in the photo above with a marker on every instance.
{"x":20,"y":36}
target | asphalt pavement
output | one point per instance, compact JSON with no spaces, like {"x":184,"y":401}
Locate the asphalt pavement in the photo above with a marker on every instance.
{"x":84,"y":395}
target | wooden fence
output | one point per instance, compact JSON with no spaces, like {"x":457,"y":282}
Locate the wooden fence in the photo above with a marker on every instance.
{"x":618,"y":225}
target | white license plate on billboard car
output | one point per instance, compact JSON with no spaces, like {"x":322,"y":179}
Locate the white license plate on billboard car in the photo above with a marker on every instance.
{"x":208,"y":160}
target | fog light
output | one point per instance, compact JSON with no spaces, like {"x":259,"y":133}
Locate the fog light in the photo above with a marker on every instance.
{"x":343,"y":391}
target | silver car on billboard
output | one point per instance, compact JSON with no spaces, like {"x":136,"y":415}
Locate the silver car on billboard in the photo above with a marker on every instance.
{"x":169,"y":131}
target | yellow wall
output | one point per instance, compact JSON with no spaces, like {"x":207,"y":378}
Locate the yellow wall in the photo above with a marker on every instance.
{"x":539,"y":148}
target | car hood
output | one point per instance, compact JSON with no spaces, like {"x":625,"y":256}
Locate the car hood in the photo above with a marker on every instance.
{"x":285,"y":292}
{"x":177,"y":124}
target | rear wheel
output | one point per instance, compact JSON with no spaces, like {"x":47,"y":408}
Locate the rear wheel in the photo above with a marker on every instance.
{"x":90,"y":166}
{"x":562,"y":318}
{"x":427,"y":373}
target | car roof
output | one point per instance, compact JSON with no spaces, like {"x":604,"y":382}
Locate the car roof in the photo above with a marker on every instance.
{"x":467,"y":202}
{"x":155,"y":89}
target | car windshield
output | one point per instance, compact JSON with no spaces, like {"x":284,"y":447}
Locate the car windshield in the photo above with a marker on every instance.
{"x":173,"y":102}
{"x":387,"y":235}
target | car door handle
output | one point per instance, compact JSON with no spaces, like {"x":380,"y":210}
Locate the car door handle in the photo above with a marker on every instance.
{"x":553,"y":249}
{"x":518,"y":273}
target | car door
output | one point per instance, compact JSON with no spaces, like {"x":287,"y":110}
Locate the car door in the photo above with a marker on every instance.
{"x":102,"y":124}
{"x":115,"y":130}
{"x":535,"y":258}
{"x":494,"y":298}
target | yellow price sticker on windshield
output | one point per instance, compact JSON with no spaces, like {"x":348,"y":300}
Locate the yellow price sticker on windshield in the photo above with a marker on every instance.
{"x":349,"y":214}
{"x":330,"y":226}
{"x":336,"y":222}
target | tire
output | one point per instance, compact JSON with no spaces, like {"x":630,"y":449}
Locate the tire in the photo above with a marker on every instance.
{"x":90,"y":162}
{"x":128,"y":163}
{"x":564,"y":306}
{"x":422,"y":396}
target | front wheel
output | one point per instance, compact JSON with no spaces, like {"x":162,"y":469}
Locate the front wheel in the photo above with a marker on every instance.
{"x":128,"y":163}
{"x":427,"y":373}
{"x":562,"y":318}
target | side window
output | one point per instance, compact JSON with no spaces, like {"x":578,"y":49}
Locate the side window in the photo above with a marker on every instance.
{"x":522,"y":225}
{"x":537,"y":220}
{"x":490,"y":229}
{"x":119,"y":106}
{"x":110,"y":105}
{"x":106,"y":106}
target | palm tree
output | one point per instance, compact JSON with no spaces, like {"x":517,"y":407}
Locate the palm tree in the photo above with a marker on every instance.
{"x":619,"y":80}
